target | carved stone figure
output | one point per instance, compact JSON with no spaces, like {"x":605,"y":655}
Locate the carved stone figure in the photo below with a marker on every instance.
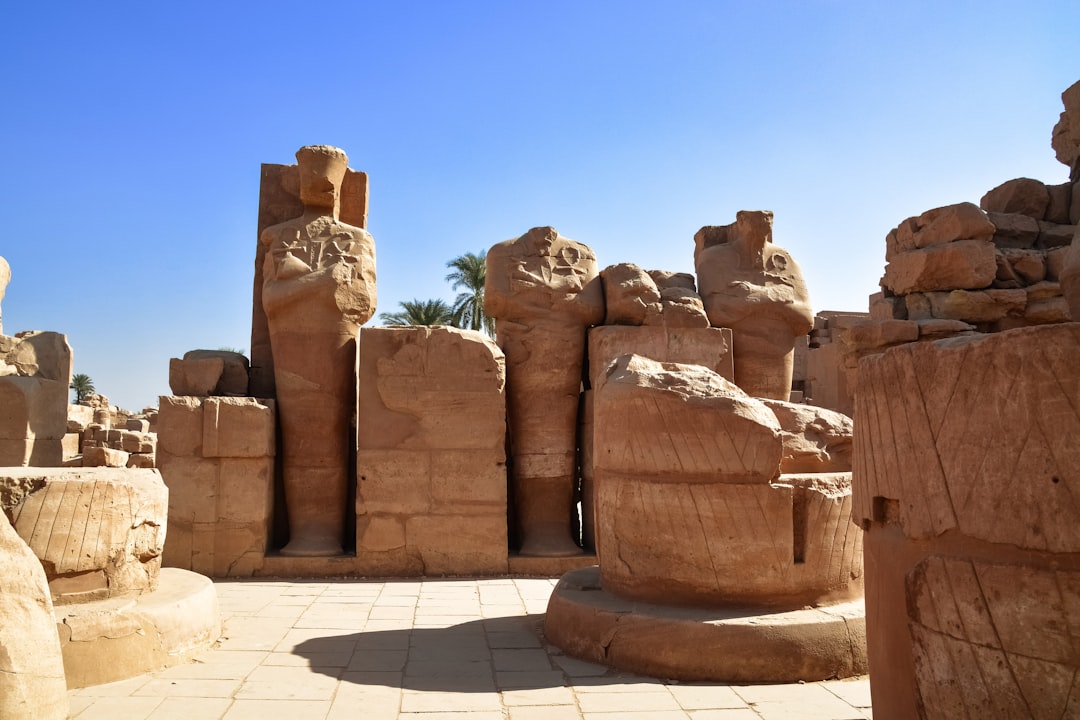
{"x":318,"y":288}
{"x":756,"y":289}
{"x":544,"y":292}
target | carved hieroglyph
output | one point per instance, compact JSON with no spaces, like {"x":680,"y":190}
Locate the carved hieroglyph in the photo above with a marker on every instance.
{"x":966,"y":473}
{"x":756,"y":289}
{"x":318,"y":288}
{"x":544,"y":292}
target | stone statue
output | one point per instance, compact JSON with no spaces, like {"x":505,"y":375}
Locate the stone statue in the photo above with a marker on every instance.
{"x":5,"y":278}
{"x":544,"y":292}
{"x":318,"y":288}
{"x":756,"y":289}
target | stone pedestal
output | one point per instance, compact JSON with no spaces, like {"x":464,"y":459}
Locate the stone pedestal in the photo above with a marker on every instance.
{"x":704,"y":543}
{"x":967,"y":464}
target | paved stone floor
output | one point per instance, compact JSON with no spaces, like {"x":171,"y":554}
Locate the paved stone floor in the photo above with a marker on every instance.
{"x":431,"y":650}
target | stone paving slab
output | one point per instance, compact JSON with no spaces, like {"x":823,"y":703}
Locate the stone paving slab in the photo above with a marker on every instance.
{"x":431,"y":650}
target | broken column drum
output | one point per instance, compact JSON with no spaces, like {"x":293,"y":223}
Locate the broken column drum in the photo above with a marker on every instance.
{"x":544,"y":292}
{"x":318,"y":288}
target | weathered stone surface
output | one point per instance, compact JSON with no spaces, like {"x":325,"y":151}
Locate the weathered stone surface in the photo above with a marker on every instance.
{"x":32,"y":685}
{"x":1057,"y":210}
{"x":1019,"y":268}
{"x":708,"y":347}
{"x":79,"y":417}
{"x":216,"y":455}
{"x":1022,"y":195}
{"x":196,"y":377}
{"x":1069,"y":275}
{"x":1013,"y":230}
{"x":665,"y":279}
{"x":965,"y":264}
{"x":1053,"y":235}
{"x":935,"y":329}
{"x":544,"y":291}
{"x":234,"y":374}
{"x":875,"y":335}
{"x":965,"y":469}
{"x":630,"y":296}
{"x":963,"y":221}
{"x":755,"y":288}
{"x":97,"y":456}
{"x":431,"y":464}
{"x":1066,"y":136}
{"x":1055,"y":262}
{"x":816,"y":440}
{"x":98,"y":532}
{"x":683,"y":308}
{"x":887,"y":308}
{"x":318,"y":288}
{"x":977,"y":306}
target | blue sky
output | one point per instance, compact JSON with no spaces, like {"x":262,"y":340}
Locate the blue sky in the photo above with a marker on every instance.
{"x":134,"y":134}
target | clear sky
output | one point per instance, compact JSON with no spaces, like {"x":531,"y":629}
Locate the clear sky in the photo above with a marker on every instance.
{"x":134,"y":131}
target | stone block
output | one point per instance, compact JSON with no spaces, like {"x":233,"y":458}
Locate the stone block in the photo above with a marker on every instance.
{"x":977,"y":306}
{"x":1013,"y":230}
{"x":708,"y":347}
{"x":887,"y":308}
{"x":393,"y":481}
{"x":246,"y":492}
{"x":232,"y":379}
{"x":870,"y":336}
{"x":1057,"y":210}
{"x":79,"y":417}
{"x":459,"y":544}
{"x":468,"y":481}
{"x":104,"y":457}
{"x":137,"y":442}
{"x":631,"y":297}
{"x":141,"y":460}
{"x":816,"y":440}
{"x":237,"y":427}
{"x":72,"y":445}
{"x":377,"y":533}
{"x":193,"y":488}
{"x":963,"y":221}
{"x":965,"y":264}
{"x":180,"y":425}
{"x":1022,"y":195}
{"x":33,"y":421}
{"x":134,"y":424}
{"x":1052,"y":235}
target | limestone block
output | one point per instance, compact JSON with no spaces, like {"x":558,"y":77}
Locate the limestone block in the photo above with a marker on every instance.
{"x":98,"y":532}
{"x":32,"y":685}
{"x":1021,"y":267}
{"x":935,"y":329}
{"x":887,"y":308}
{"x":79,"y":417}
{"x":233,"y":378}
{"x":963,"y":221}
{"x":137,"y":424}
{"x":1022,"y":195}
{"x":1057,"y":211}
{"x":683,"y":308}
{"x":105,"y":457}
{"x":1013,"y":230}
{"x":977,"y":306}
{"x":1053,"y":235}
{"x":5,"y":278}
{"x":237,"y":427}
{"x":816,"y":440}
{"x":1055,"y":262}
{"x":1074,"y":203}
{"x":708,"y":347}
{"x":33,"y":421}
{"x":918,"y":307}
{"x":875,"y":335}
{"x":965,"y":264}
{"x":665,"y":280}
{"x":631,"y":297}
{"x":642,"y":406}
{"x":180,"y":426}
{"x":195,"y":378}
{"x":431,"y":465}
{"x":1066,"y":136}
{"x":141,"y":460}
{"x":45,"y":355}
{"x":1069,"y":275}
{"x":137,"y":442}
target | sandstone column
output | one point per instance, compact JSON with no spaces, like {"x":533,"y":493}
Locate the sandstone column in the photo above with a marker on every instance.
{"x":756,"y":289}
{"x":318,"y":288}
{"x":544,"y":292}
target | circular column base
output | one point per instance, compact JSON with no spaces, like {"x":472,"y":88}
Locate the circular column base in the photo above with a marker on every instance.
{"x":730,"y":644}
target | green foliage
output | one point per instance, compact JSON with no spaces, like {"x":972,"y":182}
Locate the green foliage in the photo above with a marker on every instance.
{"x":82,"y":385}
{"x":419,"y":312}
{"x":469,"y":271}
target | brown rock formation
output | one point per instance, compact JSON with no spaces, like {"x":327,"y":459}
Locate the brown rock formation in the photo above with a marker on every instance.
{"x":756,"y":289}
{"x":544,"y":292}
{"x":318,"y":288}
{"x":1066,"y":136}
{"x":5,"y":278}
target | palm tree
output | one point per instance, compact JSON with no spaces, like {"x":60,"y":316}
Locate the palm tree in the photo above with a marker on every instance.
{"x":419,"y":312}
{"x":82,"y":385}
{"x":470,"y":271}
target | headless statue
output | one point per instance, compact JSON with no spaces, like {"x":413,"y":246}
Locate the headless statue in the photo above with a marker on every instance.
{"x":544,"y":292}
{"x":318,"y":288}
{"x":756,"y":289}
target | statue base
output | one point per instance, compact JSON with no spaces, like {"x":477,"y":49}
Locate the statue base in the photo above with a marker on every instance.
{"x":727,"y":644}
